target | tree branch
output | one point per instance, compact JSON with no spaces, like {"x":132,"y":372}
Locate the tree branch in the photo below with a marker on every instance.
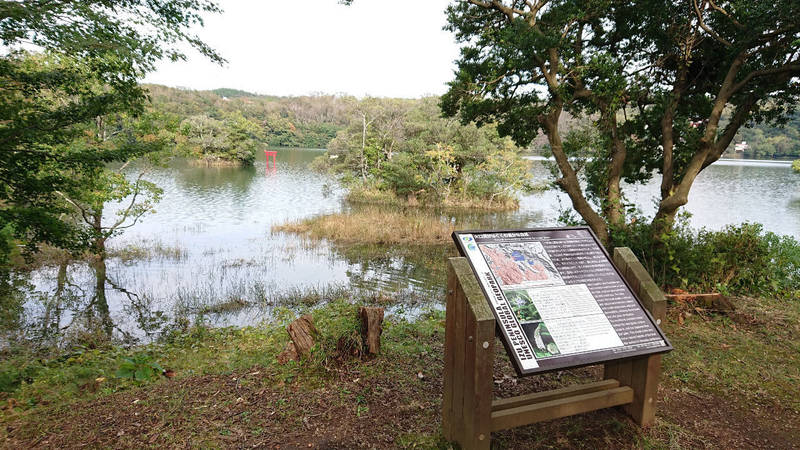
{"x":706,"y":27}
{"x":790,"y":67}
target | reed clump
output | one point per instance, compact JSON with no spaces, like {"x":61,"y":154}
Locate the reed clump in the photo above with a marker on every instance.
{"x":374,"y":227}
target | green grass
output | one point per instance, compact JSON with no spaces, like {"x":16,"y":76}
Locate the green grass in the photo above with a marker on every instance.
{"x":748,"y":359}
{"x":751,"y":356}
{"x":37,"y":377}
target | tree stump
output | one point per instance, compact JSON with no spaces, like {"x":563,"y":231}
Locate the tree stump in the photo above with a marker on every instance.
{"x":302,"y":332}
{"x":371,"y":328}
{"x":288,"y":354}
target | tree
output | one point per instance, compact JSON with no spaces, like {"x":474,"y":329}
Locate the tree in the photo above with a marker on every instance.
{"x":48,"y":96}
{"x":406,"y":149}
{"x":654,"y":77}
{"x":232,"y":140}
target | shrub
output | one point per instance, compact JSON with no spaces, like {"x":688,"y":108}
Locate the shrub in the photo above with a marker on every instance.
{"x":339,"y":336}
{"x":739,"y":259}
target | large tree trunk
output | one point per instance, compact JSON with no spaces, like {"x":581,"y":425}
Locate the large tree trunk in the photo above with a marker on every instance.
{"x":100,"y":299}
{"x":613,"y":208}
{"x":569,"y":179}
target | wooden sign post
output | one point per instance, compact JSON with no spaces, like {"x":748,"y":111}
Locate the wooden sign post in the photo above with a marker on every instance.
{"x":470,"y":414}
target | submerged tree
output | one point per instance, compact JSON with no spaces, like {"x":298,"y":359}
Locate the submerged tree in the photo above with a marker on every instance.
{"x":654,"y":76}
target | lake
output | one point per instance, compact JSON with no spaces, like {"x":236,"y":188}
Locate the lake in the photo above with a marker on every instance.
{"x":212,"y":255}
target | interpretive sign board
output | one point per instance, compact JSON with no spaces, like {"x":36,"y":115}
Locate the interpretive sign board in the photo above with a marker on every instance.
{"x":558,"y":298}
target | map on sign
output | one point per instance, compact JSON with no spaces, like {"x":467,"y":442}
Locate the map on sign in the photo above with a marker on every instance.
{"x":558,"y":299}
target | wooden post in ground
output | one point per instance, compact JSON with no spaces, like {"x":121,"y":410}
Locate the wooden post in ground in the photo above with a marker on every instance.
{"x":641,"y":374}
{"x":469,"y":360}
{"x":371,"y":328}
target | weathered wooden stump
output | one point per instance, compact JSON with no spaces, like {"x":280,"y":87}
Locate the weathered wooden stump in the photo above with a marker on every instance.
{"x":371,"y":328}
{"x":302,"y":332}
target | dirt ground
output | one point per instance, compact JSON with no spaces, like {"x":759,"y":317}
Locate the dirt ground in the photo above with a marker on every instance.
{"x":246,"y":410}
{"x":394,"y":402}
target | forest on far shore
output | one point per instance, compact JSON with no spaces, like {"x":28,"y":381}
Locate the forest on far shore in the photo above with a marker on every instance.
{"x":312,"y":121}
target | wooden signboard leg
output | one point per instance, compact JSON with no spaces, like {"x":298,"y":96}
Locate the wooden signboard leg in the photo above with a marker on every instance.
{"x":646,"y":372}
{"x":468,"y":413}
{"x":641,"y":374}
{"x":469,"y":360}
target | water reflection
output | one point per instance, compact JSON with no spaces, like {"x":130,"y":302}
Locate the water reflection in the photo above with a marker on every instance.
{"x":212,"y":254}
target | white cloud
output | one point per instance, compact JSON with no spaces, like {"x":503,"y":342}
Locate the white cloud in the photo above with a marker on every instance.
{"x":387,"y":48}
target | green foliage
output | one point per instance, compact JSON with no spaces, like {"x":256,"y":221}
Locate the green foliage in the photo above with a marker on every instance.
{"x":768,"y":141}
{"x":92,"y":55}
{"x":740,"y":259}
{"x":308,"y":121}
{"x":232,"y":93}
{"x":140,"y":367}
{"x":405,"y":148}
{"x":796,"y":165}
{"x":233,"y":139}
{"x":652,"y":76}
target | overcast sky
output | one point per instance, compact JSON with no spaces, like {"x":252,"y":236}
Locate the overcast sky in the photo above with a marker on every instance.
{"x":386,"y":48}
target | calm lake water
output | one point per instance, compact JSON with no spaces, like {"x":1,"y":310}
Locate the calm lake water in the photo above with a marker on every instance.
{"x":220,"y":261}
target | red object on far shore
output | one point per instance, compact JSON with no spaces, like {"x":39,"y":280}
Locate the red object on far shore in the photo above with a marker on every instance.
{"x":273,"y":155}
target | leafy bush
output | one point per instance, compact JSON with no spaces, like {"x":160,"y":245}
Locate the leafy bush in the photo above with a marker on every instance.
{"x":339,"y":336}
{"x":140,"y":367}
{"x":739,"y":259}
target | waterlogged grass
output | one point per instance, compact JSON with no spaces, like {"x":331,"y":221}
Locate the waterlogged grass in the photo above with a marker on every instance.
{"x":373,"y":226}
{"x":148,"y":250}
{"x":142,"y":250}
{"x":257,"y":296}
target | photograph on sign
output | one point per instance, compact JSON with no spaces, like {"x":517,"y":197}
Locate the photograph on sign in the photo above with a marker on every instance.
{"x":558,"y":299}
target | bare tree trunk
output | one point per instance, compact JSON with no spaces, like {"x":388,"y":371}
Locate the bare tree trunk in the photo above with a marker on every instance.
{"x":613,"y":208}
{"x":569,"y":179}
{"x":363,"y":147}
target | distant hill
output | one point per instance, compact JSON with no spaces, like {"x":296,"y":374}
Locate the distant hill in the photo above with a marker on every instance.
{"x":233,"y":93}
{"x":303,"y":121}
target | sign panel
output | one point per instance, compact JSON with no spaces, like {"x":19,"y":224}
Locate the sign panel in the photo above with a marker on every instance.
{"x":558,"y":299}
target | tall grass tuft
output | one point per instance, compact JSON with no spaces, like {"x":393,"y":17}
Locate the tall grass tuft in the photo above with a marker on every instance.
{"x":374,"y":226}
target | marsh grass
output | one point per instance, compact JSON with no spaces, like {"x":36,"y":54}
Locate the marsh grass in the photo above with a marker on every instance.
{"x":374,"y":226}
{"x":147,"y":250}
{"x":372,"y":196}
